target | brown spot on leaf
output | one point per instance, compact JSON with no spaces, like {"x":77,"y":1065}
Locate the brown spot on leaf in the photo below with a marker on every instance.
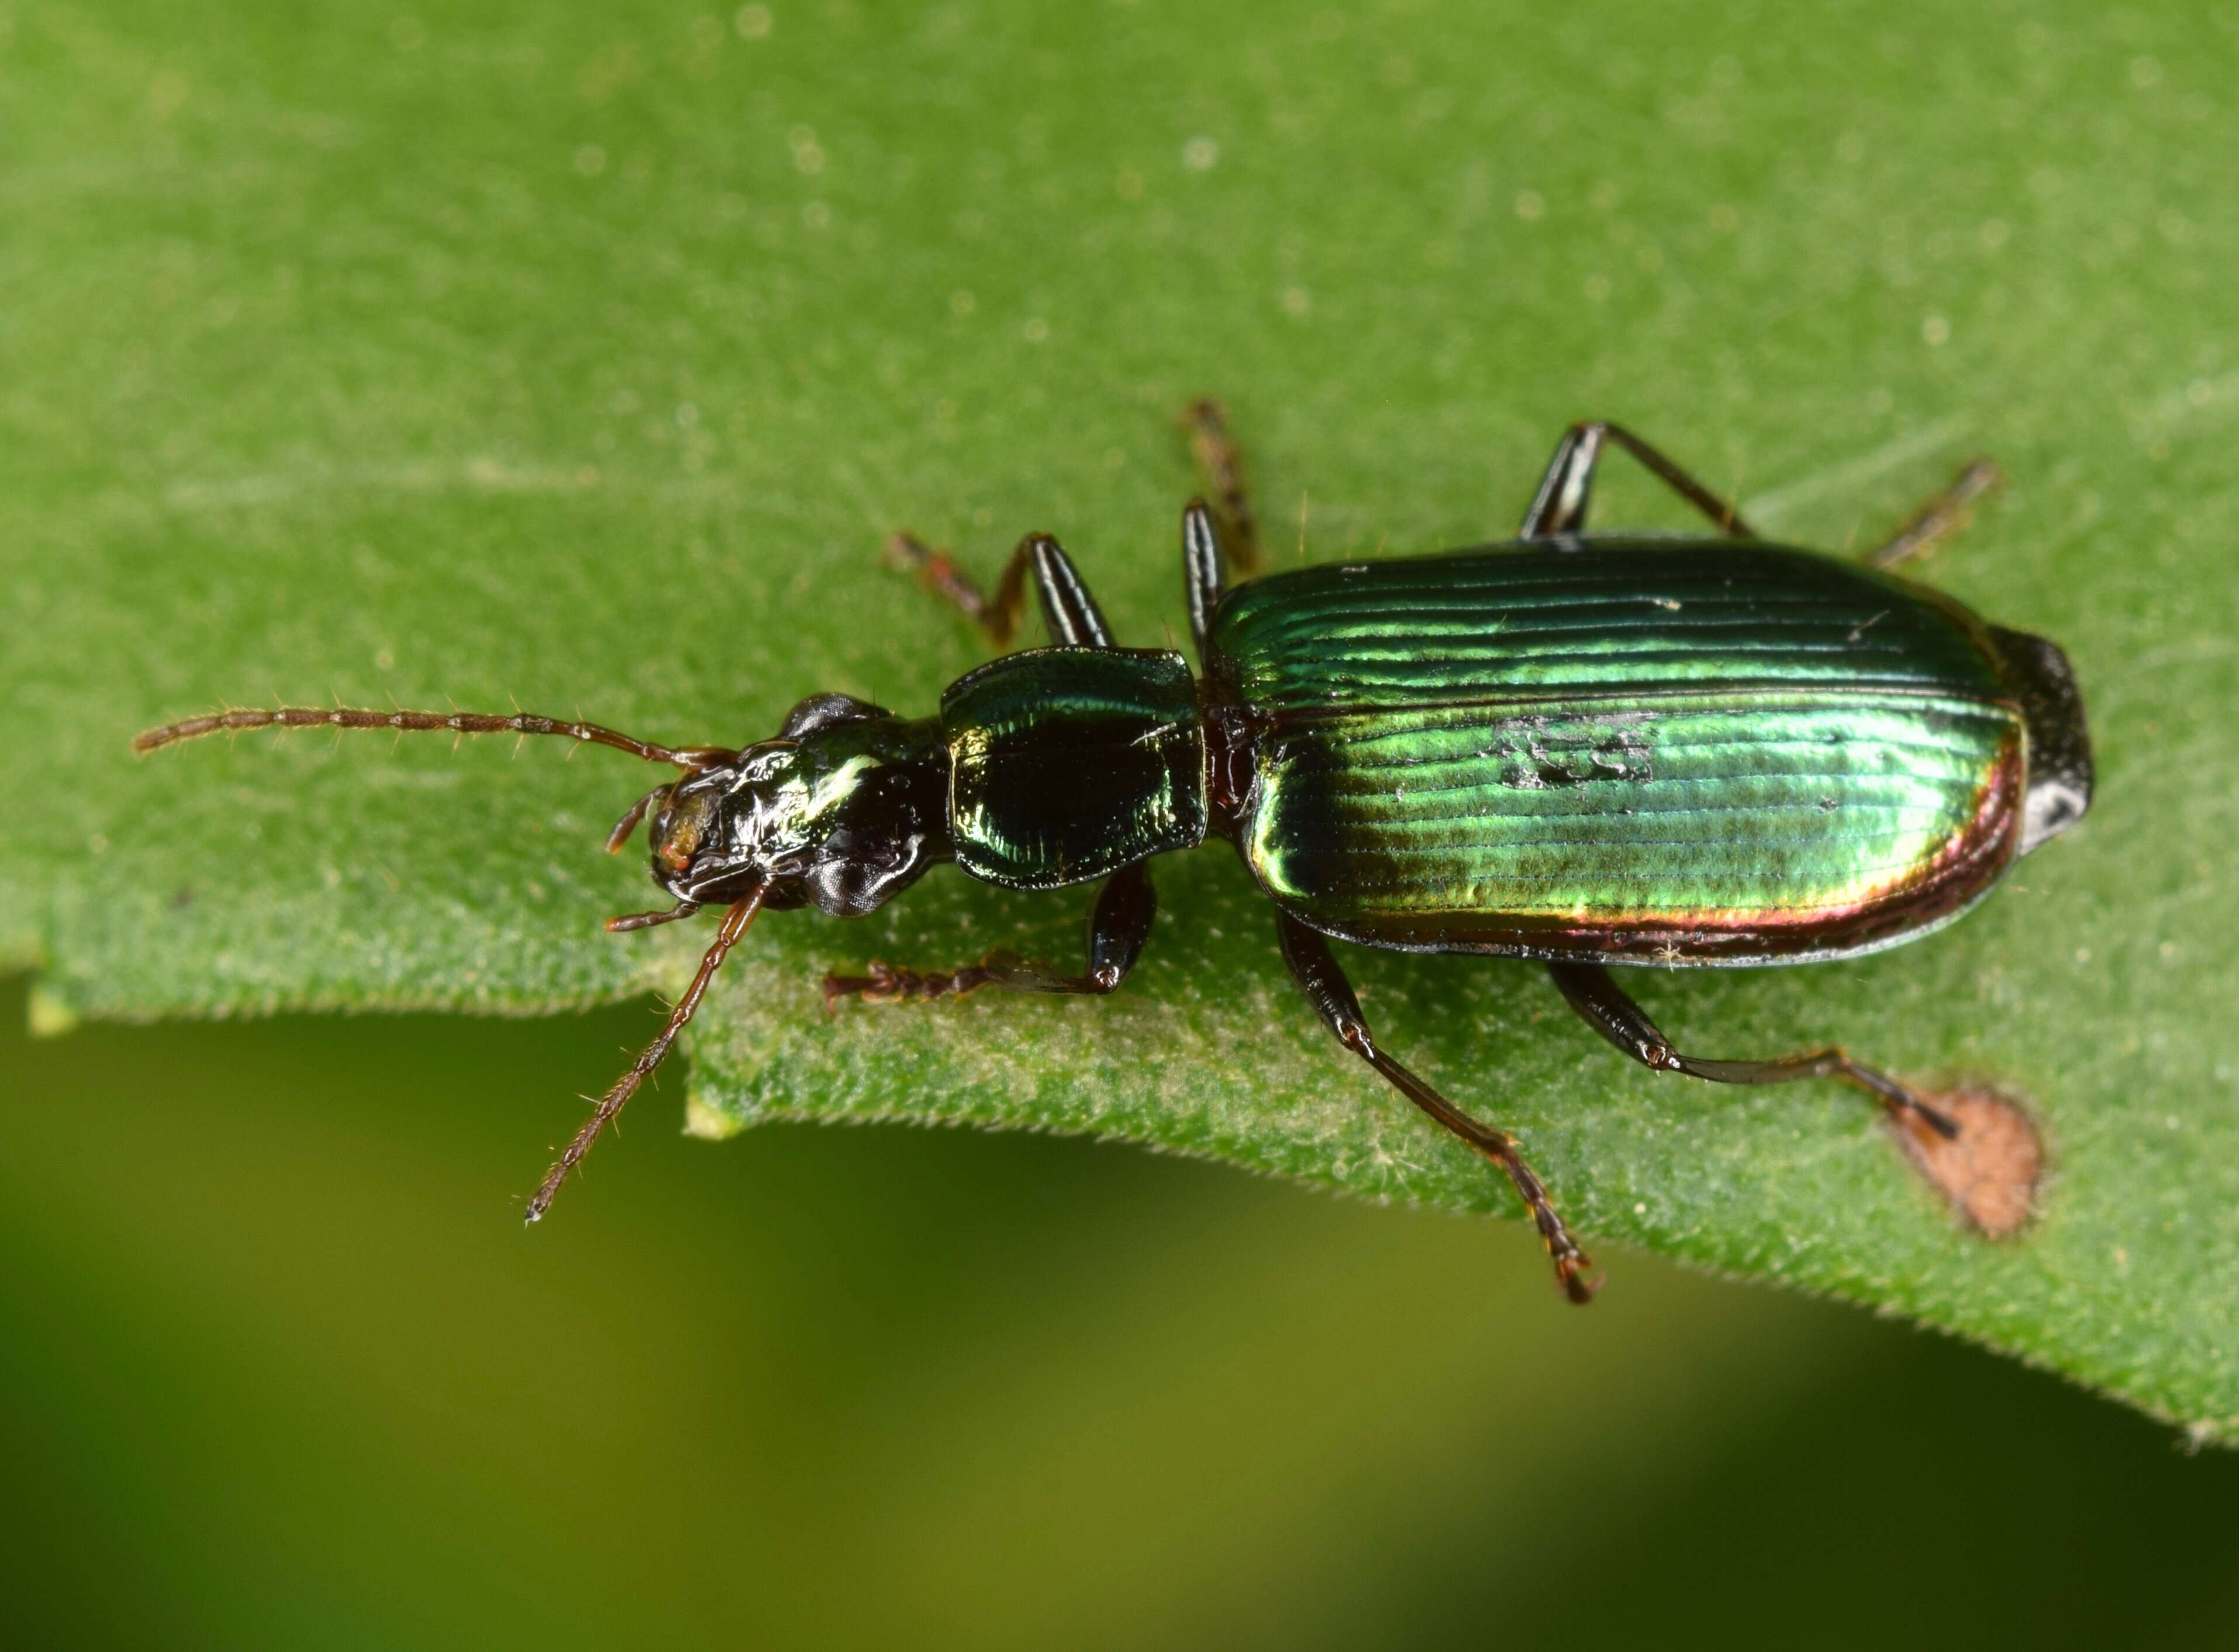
{"x":1989,"y":1174}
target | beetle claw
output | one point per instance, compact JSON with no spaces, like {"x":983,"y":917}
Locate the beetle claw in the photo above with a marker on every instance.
{"x":1574,"y":1273}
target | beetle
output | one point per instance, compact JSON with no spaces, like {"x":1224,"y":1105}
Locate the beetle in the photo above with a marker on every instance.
{"x":1578,"y":749}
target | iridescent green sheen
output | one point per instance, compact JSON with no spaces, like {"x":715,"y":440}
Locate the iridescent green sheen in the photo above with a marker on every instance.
{"x":1068,"y":763}
{"x":1632,"y":752}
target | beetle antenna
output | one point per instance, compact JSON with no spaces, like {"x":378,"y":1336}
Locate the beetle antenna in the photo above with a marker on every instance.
{"x":734,"y":925}
{"x":459,"y":723}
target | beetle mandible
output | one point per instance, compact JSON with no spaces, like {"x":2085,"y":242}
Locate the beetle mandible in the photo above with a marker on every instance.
{"x":1583,"y":750}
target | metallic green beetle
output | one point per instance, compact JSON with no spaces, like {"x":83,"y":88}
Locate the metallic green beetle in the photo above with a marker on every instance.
{"x":1584,"y":751}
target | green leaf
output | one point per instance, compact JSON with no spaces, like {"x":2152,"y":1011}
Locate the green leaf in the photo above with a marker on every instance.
{"x":475,"y":355}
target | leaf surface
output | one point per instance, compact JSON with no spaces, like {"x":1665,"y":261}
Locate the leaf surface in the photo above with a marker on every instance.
{"x":506,"y":353}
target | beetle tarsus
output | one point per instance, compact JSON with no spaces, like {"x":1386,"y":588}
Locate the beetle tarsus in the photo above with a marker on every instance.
{"x":886,"y":983}
{"x":1572,"y":1265}
{"x":1117,"y":927}
{"x":1937,"y":1120}
{"x":937,"y":570}
{"x":1068,"y":610}
{"x":1315,"y":969}
{"x":890,"y":984}
{"x":1941,"y":516}
{"x":1607,"y":1008}
{"x":1571,"y":1273}
{"x":1206,"y":422}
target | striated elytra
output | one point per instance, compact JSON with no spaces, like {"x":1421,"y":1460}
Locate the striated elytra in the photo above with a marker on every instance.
{"x":1586,"y":750}
{"x":1611,"y":750}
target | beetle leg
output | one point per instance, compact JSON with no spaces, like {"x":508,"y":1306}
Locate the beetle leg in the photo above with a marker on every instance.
{"x":937,"y":571}
{"x":1605,"y":1007}
{"x":1559,"y":506}
{"x":1204,"y":570}
{"x":1317,"y":973}
{"x":1067,"y":610}
{"x":1117,"y":930}
{"x":1218,"y":456}
{"x":1940,"y":517}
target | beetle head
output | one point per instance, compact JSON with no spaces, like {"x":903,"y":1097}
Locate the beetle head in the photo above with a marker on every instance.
{"x":844,"y":808}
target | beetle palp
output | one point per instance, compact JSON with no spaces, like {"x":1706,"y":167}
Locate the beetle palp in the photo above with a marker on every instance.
{"x":646,"y":921}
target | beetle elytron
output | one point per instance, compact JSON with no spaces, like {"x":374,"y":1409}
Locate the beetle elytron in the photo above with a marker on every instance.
{"x":1585,"y":751}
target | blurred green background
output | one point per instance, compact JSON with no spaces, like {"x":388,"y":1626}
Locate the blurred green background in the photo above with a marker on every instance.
{"x":282,"y":1370}
{"x":279,"y":1371}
